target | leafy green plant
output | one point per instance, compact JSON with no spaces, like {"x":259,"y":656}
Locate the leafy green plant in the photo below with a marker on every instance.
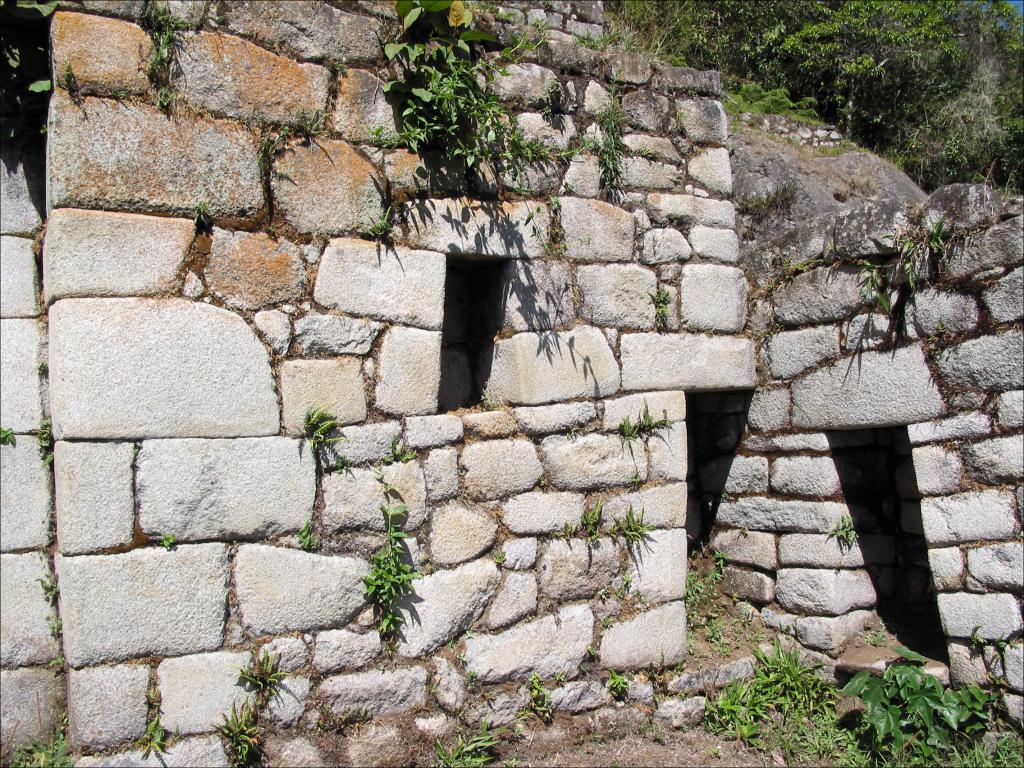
{"x":906,"y":708}
{"x":168,"y":541}
{"x":154,"y":739}
{"x":25,"y":84}
{"x":162,"y":27}
{"x":661,"y":300}
{"x":644,"y":427}
{"x":381,"y":228}
{"x":751,"y":97}
{"x":165,"y":98}
{"x":471,"y":750}
{"x":499,"y":557}
{"x":390,"y":575}
{"x":844,"y":533}
{"x":50,"y":590}
{"x":309,"y":539}
{"x":590,"y":522}
{"x":241,"y":734}
{"x":631,"y":527}
{"x":610,"y":147}
{"x":69,"y":82}
{"x":6,"y":436}
{"x":317,"y":426}
{"x":444,"y":92}
{"x":201,"y":217}
{"x":618,"y":685}
{"x":52,"y":754}
{"x":46,"y":442}
{"x":310,"y":125}
{"x":540,"y":701}
{"x":399,"y":452}
{"x":262,"y":676}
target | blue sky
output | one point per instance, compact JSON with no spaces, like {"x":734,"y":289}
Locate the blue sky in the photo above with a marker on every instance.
{"x":1019,"y":4}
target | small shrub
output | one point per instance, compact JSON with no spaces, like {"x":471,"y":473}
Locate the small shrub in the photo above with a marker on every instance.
{"x":475,"y":749}
{"x":390,"y":575}
{"x":155,"y":737}
{"x":241,"y":733}
{"x":618,"y":685}
{"x":751,"y":97}
{"x":262,"y":676}
{"x":540,"y":702}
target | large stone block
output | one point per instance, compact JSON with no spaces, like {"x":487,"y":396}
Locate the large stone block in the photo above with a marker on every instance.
{"x":529,"y":85}
{"x":752,"y":586}
{"x":662,"y":506}
{"x":308,"y":29}
{"x":95,"y":253}
{"x":703,"y":121}
{"x":25,"y":496}
{"x":21,"y":352}
{"x":445,"y":604}
{"x":735,"y":474}
{"x":936,"y":470}
{"x":830,"y":633}
{"x":997,"y":567}
{"x":107,"y":705}
{"x":715,"y":243}
{"x":989,"y":362}
{"x":656,"y":638}
{"x":686,"y":361}
{"x":109,"y":155}
{"x":874,"y":389}
{"x":197,"y":691}
{"x":19,"y":284}
{"x":661,"y":405}
{"x":535,"y":368}
{"x":617,"y":296}
{"x":711,"y":170}
{"x":746,"y":547}
{"x":31,"y":700}
{"x":471,"y":228}
{"x":805,"y":476}
{"x":195,"y":751}
{"x":431,"y":431}
{"x":22,"y":182}
{"x":537,"y":512}
{"x":75,"y":39}
{"x":967,"y":517}
{"x":819,"y":550}
{"x":327,"y":188}
{"x":156,"y":368}
{"x":535,"y":295}
{"x":1011,"y":409}
{"x":393,"y":284}
{"x":377,"y":692}
{"x":793,"y":352}
{"x":1000,"y":460}
{"x":552,"y":645}
{"x":596,"y":231}
{"x":821,"y":295}
{"x":646,"y":110}
{"x":713,"y":298}
{"x":1005,"y":299}
{"x":545,"y":419}
{"x":336,"y":385}
{"x":592,"y":461}
{"x":496,"y":468}
{"x":409,"y":376}
{"x":221,"y":489}
{"x":692,"y":210}
{"x":992,"y":617}
{"x":251,"y":270}
{"x":25,"y":635}
{"x":970,"y":424}
{"x":936,"y":311}
{"x":232,"y":76}
{"x":342,"y":649}
{"x":330,"y":335}
{"x":352,"y":499}
{"x":459,"y":533}
{"x":760,"y":513}
{"x":361,"y":109}
{"x":575,"y":569}
{"x":95,"y":497}
{"x":999,"y":245}
{"x":665,"y":245}
{"x":657,"y":566}
{"x":557,"y":134}
{"x":147,"y":602}
{"x":514,"y":600}
{"x":286,"y":590}
{"x":823,"y":592}
{"x":770,"y":409}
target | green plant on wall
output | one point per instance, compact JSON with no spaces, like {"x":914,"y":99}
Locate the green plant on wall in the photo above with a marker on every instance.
{"x":443,"y":89}
{"x":25,"y":83}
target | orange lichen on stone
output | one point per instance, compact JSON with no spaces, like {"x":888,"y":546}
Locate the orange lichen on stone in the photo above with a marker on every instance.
{"x":250,"y":271}
{"x":101,"y":54}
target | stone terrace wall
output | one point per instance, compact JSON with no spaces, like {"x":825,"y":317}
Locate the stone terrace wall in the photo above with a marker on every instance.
{"x":937,"y":505}
{"x":177,"y":367}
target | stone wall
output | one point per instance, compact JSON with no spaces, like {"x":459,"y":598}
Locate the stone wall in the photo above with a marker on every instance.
{"x":177,"y":366}
{"x":480,"y":365}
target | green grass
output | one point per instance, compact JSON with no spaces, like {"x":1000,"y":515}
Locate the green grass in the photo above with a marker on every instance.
{"x":661,"y":300}
{"x":168,"y":541}
{"x":471,"y":750}
{"x":6,"y":436}
{"x":46,"y":443}
{"x":590,"y":522}
{"x":51,"y":754}
{"x":631,"y":527}
{"x":844,"y":533}
{"x":644,"y":427}
{"x":752,"y":98}
{"x":262,"y":676}
{"x":317,"y":426}
{"x":155,"y":737}
{"x":399,"y":453}
{"x":201,"y":218}
{"x":241,"y":734}
{"x":309,"y":539}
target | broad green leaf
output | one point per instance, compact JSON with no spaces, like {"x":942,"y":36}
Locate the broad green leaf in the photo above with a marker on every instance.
{"x":393,"y":49}
{"x":40,"y":86}
{"x":422,"y":94}
{"x":476,"y":34}
{"x":906,"y":653}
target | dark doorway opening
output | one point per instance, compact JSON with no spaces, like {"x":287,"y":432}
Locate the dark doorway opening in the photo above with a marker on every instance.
{"x":472,"y":318}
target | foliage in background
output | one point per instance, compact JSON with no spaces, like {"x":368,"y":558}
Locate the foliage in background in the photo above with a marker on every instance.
{"x":934,"y":86}
{"x":25,"y":83}
{"x":443,"y":88}
{"x":751,"y":97}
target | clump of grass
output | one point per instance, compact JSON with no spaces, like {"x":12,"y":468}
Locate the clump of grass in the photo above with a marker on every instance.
{"x":644,"y":427}
{"x":310,"y":125}
{"x":6,"y":436}
{"x":50,"y":590}
{"x":590,"y":522}
{"x":262,"y":677}
{"x":162,"y":27}
{"x":309,"y":539}
{"x":473,"y":749}
{"x":618,"y":685}
{"x":380,"y":229}
{"x":51,"y":754}
{"x":399,"y":452}
{"x":777,"y":202}
{"x":631,"y":527}
{"x":610,"y":148}
{"x":46,"y":443}
{"x":241,"y":734}
{"x":155,"y":737}
{"x":201,"y":218}
{"x":168,"y":541}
